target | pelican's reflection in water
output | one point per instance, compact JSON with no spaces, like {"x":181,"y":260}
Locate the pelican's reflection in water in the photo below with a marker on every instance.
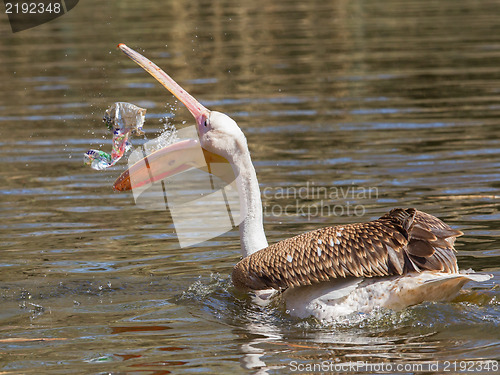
{"x":357,"y":341}
{"x":253,"y":350}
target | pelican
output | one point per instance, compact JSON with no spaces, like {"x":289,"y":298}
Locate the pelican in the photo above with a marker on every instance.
{"x":403,"y":258}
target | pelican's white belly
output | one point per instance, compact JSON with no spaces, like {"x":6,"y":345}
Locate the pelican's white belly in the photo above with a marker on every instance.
{"x":335,"y":298}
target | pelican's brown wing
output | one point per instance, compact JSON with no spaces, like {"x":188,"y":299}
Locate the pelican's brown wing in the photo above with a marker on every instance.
{"x":404,"y":240}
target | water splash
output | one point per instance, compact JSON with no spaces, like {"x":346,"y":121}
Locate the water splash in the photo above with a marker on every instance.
{"x":123,"y":119}
{"x":168,"y":136}
{"x":200,"y":290}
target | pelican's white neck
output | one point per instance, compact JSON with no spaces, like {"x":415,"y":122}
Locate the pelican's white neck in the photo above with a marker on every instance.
{"x":252,"y":235}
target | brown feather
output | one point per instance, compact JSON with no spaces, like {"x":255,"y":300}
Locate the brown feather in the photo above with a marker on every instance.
{"x":401,"y":241}
{"x":420,"y":248}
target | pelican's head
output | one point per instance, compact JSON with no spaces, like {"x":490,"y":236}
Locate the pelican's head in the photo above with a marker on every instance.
{"x":219,"y":136}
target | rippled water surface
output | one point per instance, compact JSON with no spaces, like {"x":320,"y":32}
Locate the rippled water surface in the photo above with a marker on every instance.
{"x":400,"y":97}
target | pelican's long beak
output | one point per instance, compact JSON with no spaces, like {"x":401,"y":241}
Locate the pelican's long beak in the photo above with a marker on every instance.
{"x":173,"y":158}
{"x":199,"y":112}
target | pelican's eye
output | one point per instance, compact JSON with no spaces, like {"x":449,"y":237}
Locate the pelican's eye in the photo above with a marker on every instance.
{"x":206,"y":123}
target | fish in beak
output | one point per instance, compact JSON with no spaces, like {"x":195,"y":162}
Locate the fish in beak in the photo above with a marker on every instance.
{"x":176,"y":157}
